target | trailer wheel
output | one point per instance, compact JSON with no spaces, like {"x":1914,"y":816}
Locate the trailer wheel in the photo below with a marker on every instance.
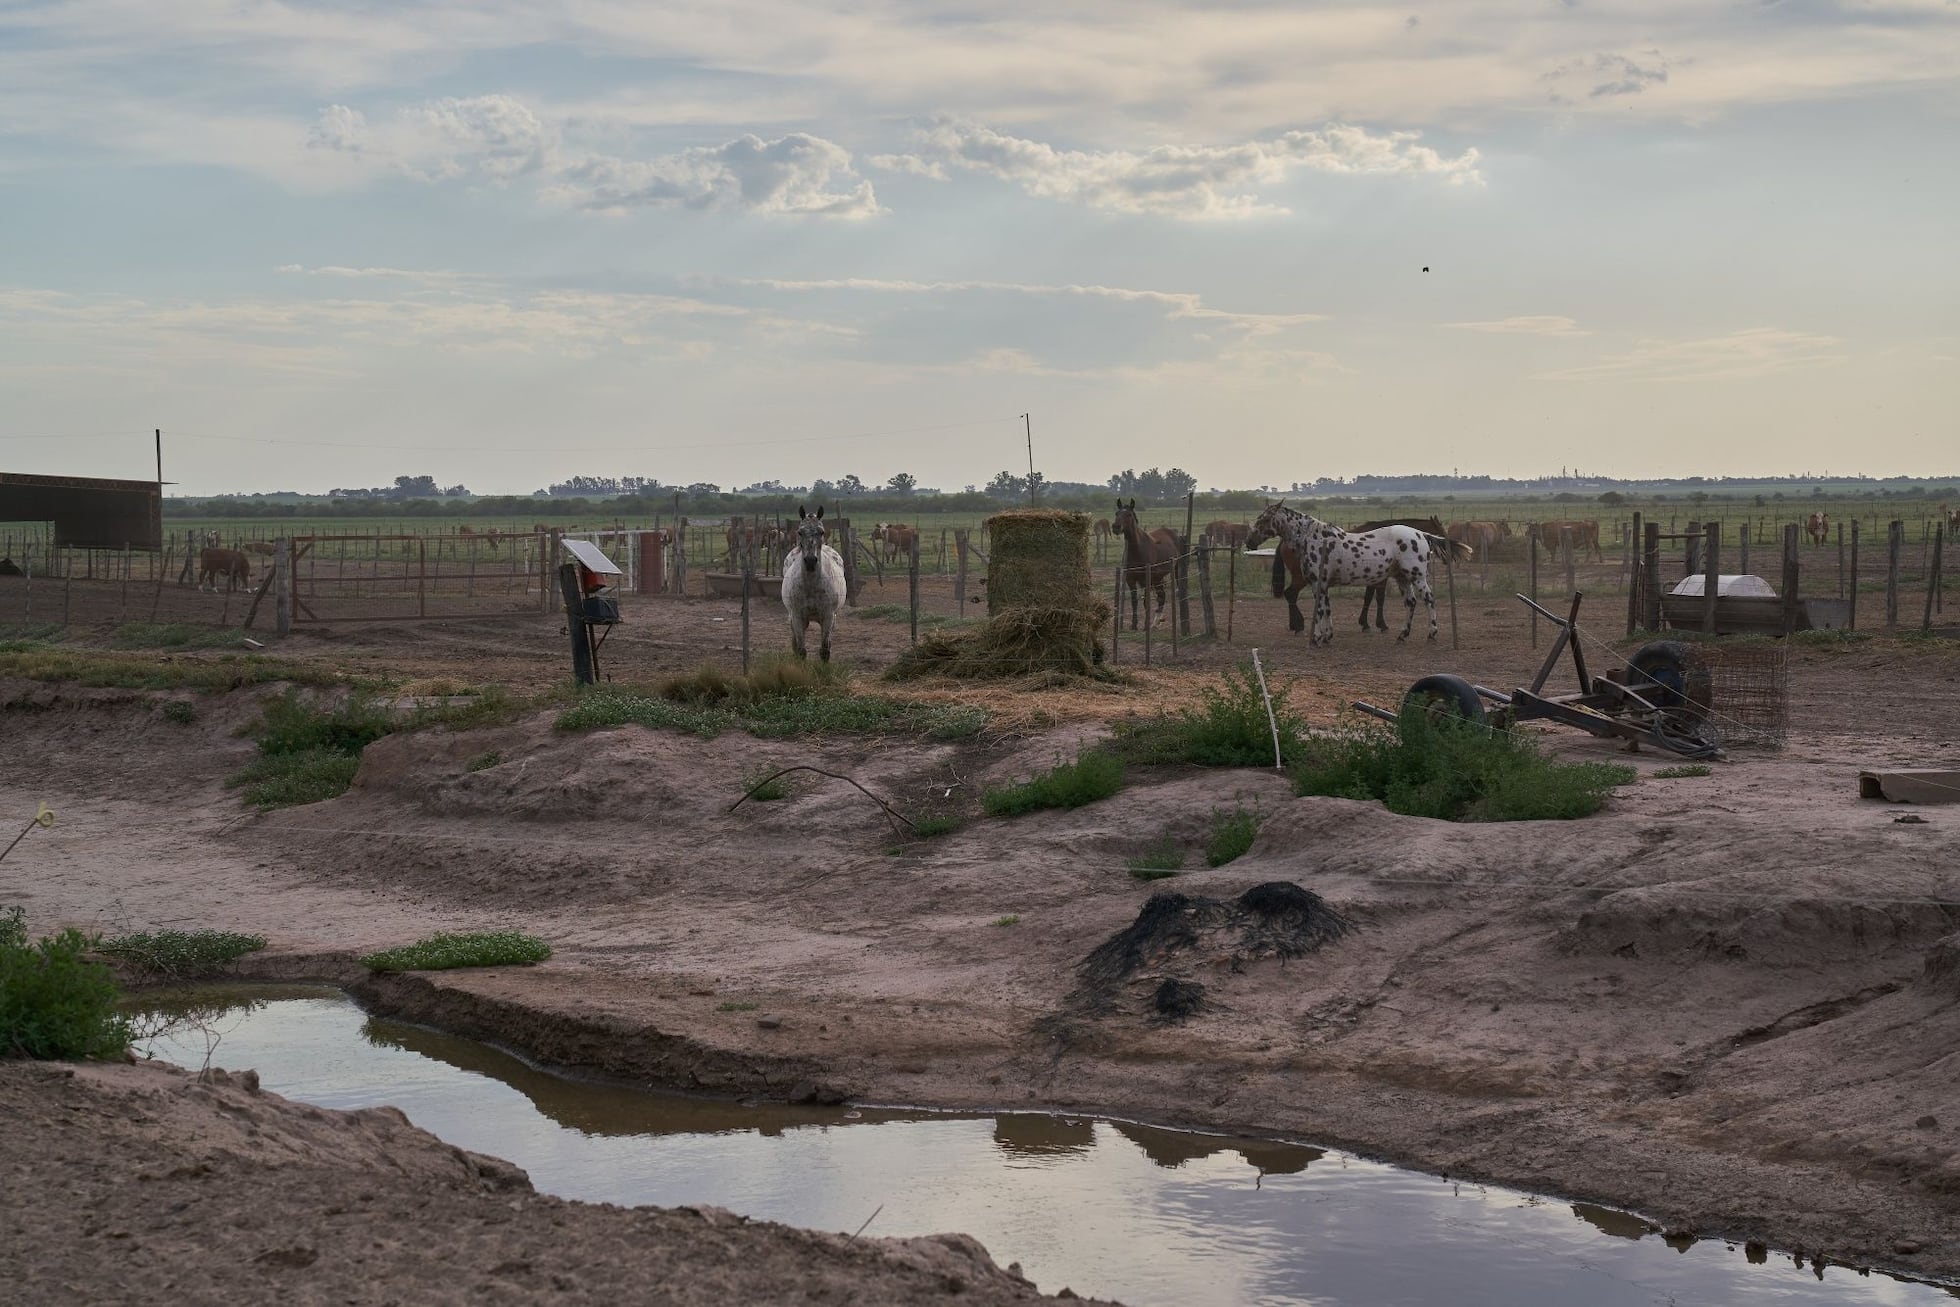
{"x":1666,"y":675}
{"x":1443,"y":697}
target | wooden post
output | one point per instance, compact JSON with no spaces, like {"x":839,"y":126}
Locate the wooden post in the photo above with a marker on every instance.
{"x":1933,"y":579}
{"x":1851,"y":620}
{"x":1633,"y":576}
{"x":959,"y":578}
{"x":124,"y":617}
{"x":1231,"y":590}
{"x":1791,"y":579}
{"x":1209,"y":614}
{"x":748,"y":584}
{"x":282,"y":588}
{"x":1449,"y":569}
{"x":1184,"y":569}
{"x":1694,"y":550}
{"x":1116,"y":632}
{"x":1650,"y":597}
{"x":1895,"y":538}
{"x":1568,"y":547}
{"x":1534,"y":588}
{"x":680,"y":555}
{"x":853,"y":583}
{"x":575,"y":622}
{"x":913,"y":598}
{"x":1840,"y":543}
{"x":67,"y":587}
{"x":1711,"y":582}
{"x":422,"y":576}
{"x":1742,"y":568}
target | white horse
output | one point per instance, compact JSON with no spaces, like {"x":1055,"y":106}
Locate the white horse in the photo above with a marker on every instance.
{"x":814,"y":590}
{"x":1324,"y":555}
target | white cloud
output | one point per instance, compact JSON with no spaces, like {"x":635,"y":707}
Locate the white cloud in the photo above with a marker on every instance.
{"x":1184,"y":181}
{"x":797,"y":174}
{"x":1756,"y":352}
{"x":494,"y":135}
{"x":1530,"y":325}
{"x":1178,"y":304}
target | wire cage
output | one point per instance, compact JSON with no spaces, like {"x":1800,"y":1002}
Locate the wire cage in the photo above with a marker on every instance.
{"x":1749,"y":691}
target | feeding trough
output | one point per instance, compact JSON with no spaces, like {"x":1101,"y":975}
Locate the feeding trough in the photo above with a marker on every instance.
{"x":728,"y":585}
{"x":1661,"y":697}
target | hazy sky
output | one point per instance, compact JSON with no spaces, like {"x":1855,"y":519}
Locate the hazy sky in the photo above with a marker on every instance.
{"x":506,"y":241}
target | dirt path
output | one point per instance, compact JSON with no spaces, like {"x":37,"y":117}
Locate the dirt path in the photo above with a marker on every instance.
{"x":1732,"y":1003}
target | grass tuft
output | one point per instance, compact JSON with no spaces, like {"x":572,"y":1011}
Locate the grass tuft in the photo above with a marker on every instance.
{"x":1161,"y":860}
{"x":180,"y":953}
{"x":444,"y":951}
{"x":181,"y":711}
{"x":1093,"y":775}
{"x":1453,"y":771}
{"x":1683,"y":772}
{"x":1012,"y":919}
{"x":765,"y":790}
{"x":1229,"y":729}
{"x":288,"y":779}
{"x":927,"y":828}
{"x":1232,"y":834}
{"x":54,"y":1001}
{"x":174,"y":635}
{"x":484,"y":761}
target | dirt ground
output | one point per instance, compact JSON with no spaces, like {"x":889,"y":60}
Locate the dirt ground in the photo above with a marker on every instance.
{"x":1731,"y":1003}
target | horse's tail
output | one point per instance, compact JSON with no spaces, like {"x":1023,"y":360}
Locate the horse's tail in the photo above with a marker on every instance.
{"x":1453,"y":551}
{"x":1279,"y":575}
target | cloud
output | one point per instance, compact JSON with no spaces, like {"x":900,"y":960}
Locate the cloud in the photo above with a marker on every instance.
{"x":797,"y":174}
{"x":1756,"y":352}
{"x":499,"y":139}
{"x":1534,"y":325}
{"x":1177,"y":304}
{"x":1182,"y":181}
{"x":1622,"y":74}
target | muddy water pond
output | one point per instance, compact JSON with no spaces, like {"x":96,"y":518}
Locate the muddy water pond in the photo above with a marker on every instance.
{"x":1110,"y":1208}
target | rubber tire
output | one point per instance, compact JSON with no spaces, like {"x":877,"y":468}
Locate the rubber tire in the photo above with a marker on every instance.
{"x":1446,"y":695}
{"x":1664,"y":673}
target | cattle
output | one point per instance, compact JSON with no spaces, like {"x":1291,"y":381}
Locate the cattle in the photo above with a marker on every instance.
{"x":228,"y":563}
{"x":897,"y":539}
{"x":1817,"y":526}
{"x":261,"y":547}
{"x":1229,"y":534}
{"x":1585,"y":536}
{"x":1482,"y":537}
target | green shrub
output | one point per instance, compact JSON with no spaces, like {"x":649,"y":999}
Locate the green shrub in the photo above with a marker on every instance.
{"x":1093,"y":775}
{"x":1230,"y":728}
{"x":1455,"y":771}
{"x":1163,"y":859}
{"x":927,"y":828}
{"x":181,"y":952}
{"x":54,"y":1003}
{"x":181,"y":711}
{"x":288,"y":724}
{"x":443,"y":951}
{"x":1013,"y":919}
{"x":484,"y":761}
{"x":285,"y":779}
{"x":1232,"y":834}
{"x":1684,"y":771}
{"x":764,"y":787}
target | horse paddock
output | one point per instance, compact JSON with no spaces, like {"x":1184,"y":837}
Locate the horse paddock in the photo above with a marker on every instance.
{"x":1725,"y":1002}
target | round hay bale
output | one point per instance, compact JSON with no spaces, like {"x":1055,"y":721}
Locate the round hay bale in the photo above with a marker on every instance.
{"x":1040,"y":559}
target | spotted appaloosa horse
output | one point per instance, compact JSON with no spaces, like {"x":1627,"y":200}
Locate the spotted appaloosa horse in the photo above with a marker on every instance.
{"x":813,"y":583}
{"x":1328,"y":556}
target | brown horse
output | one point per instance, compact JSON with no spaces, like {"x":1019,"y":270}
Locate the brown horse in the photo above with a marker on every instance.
{"x":1147,"y":559}
{"x":234,"y":566}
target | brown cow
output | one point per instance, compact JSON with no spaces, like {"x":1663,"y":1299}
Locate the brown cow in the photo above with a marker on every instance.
{"x":1232,"y":534}
{"x":1585,"y":536}
{"x":896,"y":537}
{"x":1817,"y":526}
{"x":228,"y":563}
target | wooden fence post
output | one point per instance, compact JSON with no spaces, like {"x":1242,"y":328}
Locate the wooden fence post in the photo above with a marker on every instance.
{"x":1792,"y":578}
{"x":1851,"y":619}
{"x":1534,"y":587}
{"x":1693,"y":564}
{"x":913,"y":562}
{"x":959,"y":579}
{"x":282,"y":588}
{"x":1568,"y":547}
{"x":1633,"y":576}
{"x":1933,"y":579}
{"x":1711,"y":578}
{"x":1231,"y":590}
{"x":1895,"y":538}
{"x":748,"y":584}
{"x":1116,"y":633}
{"x":1840,"y":544}
{"x":853,"y":583}
{"x":1184,"y":569}
{"x":1742,"y":568}
{"x":1449,"y":569}
{"x":1650,"y":581}
{"x":1209,"y":614}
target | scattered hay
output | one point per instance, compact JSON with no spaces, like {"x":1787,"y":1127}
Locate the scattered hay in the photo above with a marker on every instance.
{"x":1049,"y":642}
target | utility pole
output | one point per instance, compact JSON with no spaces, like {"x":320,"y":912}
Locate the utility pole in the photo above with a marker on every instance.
{"x":159,"y":460}
{"x":1028,"y":427}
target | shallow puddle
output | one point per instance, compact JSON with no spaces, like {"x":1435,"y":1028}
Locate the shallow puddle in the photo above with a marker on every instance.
{"x":1124,"y":1211}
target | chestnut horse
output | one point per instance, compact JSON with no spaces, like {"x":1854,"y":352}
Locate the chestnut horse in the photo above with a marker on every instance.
{"x":1147,"y":559}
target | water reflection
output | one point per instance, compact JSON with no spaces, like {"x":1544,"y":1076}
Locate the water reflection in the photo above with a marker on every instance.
{"x":1135,"y":1212}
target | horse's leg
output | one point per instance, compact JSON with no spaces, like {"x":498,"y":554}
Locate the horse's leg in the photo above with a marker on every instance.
{"x":1296,"y":621}
{"x":797,"y":630}
{"x":1323,"y":612}
{"x":1381,"y":607}
{"x":1428,"y":598}
{"x":1367,"y":597}
{"x":829,"y":619}
{"x":1409,"y":603}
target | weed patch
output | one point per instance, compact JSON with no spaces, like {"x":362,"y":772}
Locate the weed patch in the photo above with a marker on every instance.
{"x":484,"y":761}
{"x":927,"y":828}
{"x":181,"y":711}
{"x":1010,"y":920}
{"x":54,"y":1001}
{"x":285,"y":779}
{"x":1453,"y":771}
{"x":443,"y":951}
{"x":174,"y":635}
{"x":763,"y":787}
{"x":1232,"y":834}
{"x":1684,"y":771}
{"x":180,"y":953}
{"x":1163,"y":859}
{"x":1229,"y":729}
{"x":146,"y":672}
{"x":774,"y":716}
{"x":1093,"y":775}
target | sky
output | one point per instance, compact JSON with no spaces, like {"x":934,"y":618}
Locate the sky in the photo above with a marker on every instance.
{"x":508,"y":241}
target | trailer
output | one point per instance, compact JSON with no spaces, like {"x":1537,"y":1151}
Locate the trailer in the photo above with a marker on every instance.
{"x":1661,"y":697}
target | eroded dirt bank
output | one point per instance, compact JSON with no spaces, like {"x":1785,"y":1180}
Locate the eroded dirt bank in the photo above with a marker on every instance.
{"x":144,"y":1184}
{"x":1732,"y":1003}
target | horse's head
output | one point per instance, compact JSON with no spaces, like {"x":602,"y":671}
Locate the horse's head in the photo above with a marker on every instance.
{"x":1126,"y":517}
{"x":810,"y":535}
{"x":1268,"y":523}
